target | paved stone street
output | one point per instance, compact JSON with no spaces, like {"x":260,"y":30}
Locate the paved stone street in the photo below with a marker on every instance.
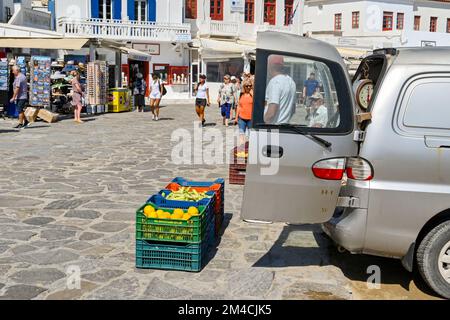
{"x":68,"y":195}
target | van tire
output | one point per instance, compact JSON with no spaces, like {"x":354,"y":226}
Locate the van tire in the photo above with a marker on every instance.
{"x":428,"y":256}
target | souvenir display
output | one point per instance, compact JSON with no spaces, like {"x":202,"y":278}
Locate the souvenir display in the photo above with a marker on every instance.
{"x":22,"y":64}
{"x":180,"y":75}
{"x":97,"y":83}
{"x":4,"y":82}
{"x":40,"y":81}
{"x":4,"y":75}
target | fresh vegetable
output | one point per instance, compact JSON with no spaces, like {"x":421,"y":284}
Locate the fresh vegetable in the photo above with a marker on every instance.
{"x":186,"y":194}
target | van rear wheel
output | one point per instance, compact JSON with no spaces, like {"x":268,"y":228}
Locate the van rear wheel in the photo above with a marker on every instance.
{"x":433,"y":259}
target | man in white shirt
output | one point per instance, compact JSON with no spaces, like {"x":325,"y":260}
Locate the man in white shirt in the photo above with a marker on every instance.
{"x":280,"y":93}
{"x":319,"y":113}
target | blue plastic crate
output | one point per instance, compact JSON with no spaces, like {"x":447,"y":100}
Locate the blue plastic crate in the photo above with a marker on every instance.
{"x":190,"y":183}
{"x":183,"y":257}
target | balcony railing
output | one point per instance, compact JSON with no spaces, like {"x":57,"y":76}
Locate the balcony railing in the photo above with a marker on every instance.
{"x":219,"y":28}
{"x":124,"y":30}
{"x":269,"y":27}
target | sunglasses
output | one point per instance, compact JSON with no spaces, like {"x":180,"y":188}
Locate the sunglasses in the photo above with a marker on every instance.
{"x":248,"y":86}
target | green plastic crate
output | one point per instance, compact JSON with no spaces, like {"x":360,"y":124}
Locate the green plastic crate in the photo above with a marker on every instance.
{"x":190,"y":231}
{"x":176,"y":256}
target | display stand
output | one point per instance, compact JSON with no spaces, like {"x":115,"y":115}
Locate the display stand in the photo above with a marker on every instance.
{"x":40,"y":88}
{"x":97,"y":87}
{"x":4,"y":86}
{"x":40,"y":84}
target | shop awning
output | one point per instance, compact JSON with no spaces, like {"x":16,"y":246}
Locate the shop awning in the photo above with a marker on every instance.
{"x":216,"y":49}
{"x":351,"y":53}
{"x":43,"y":43}
{"x":136,"y":54}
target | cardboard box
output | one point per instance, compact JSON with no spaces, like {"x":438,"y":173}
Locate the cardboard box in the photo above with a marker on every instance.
{"x":47,"y":116}
{"x":31,"y":114}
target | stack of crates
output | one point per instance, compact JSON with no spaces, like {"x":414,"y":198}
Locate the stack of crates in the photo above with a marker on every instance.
{"x":175,"y":244}
{"x":217,"y":186}
{"x":238,"y":165}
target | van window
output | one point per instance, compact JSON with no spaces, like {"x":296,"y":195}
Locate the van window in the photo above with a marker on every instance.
{"x":308,"y":93}
{"x":428,"y":104}
{"x":300,"y":92}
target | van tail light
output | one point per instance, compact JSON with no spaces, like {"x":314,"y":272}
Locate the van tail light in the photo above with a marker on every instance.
{"x":334,"y":168}
{"x":329,"y":169}
{"x":359,"y":169}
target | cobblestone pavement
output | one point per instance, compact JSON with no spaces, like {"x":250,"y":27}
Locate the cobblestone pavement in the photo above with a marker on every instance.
{"x":68,"y":195}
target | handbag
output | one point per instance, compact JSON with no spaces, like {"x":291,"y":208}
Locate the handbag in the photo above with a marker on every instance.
{"x":164,"y":90}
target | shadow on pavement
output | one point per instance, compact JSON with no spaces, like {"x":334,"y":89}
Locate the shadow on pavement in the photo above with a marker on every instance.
{"x":226,"y":221}
{"x":213,"y":250}
{"x":88,"y":119}
{"x":8,"y":130}
{"x":295,"y":247}
{"x":166,"y":119}
{"x":35,"y":127}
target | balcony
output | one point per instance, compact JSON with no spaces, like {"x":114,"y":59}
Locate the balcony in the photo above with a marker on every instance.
{"x":219,"y":28}
{"x":269,"y":27}
{"x":120,"y":30}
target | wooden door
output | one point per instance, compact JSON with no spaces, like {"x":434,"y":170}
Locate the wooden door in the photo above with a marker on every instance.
{"x":270,"y":11}
{"x":216,"y":9}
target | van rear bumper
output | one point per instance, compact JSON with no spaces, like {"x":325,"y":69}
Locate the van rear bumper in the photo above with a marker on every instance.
{"x":348,"y":228}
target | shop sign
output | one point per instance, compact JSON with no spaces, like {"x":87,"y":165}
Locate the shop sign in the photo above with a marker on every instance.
{"x":237,"y":6}
{"x":138,"y":57}
{"x":183,"y":37}
{"x":347,"y":41}
{"x":428,"y":43}
{"x":151,"y":48}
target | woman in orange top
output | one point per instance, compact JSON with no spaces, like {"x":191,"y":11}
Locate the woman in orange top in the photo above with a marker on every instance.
{"x":244,"y":111}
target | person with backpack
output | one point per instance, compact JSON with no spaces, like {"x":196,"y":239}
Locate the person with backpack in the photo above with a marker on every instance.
{"x":157,"y":91}
{"x":139,"y":89}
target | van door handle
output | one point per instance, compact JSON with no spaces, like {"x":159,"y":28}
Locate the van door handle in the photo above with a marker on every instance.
{"x":272,"y":151}
{"x":437,"y":142}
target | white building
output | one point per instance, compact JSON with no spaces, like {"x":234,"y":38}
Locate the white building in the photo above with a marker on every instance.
{"x":225,"y":31}
{"x":152,"y":26}
{"x":367,"y":25}
{"x":20,"y":19}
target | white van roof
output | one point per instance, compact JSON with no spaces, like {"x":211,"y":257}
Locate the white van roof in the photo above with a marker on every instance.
{"x":423,"y":55}
{"x":285,"y":42}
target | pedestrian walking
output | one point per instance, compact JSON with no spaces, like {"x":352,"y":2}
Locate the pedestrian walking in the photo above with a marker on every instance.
{"x":202,"y":98}
{"x":139,"y":89}
{"x":20,"y":96}
{"x":155,"y":96}
{"x":77,"y":95}
{"x":226,"y":98}
{"x":244,"y":111}
{"x":237,"y":89}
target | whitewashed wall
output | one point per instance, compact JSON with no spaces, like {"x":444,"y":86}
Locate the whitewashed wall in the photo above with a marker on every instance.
{"x":248,"y":30}
{"x":72,"y":9}
{"x":169,"y":11}
{"x":440,"y":10}
{"x":321,"y":17}
{"x":3,"y":4}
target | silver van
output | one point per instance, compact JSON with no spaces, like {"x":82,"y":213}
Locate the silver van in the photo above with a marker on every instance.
{"x":369,"y":158}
